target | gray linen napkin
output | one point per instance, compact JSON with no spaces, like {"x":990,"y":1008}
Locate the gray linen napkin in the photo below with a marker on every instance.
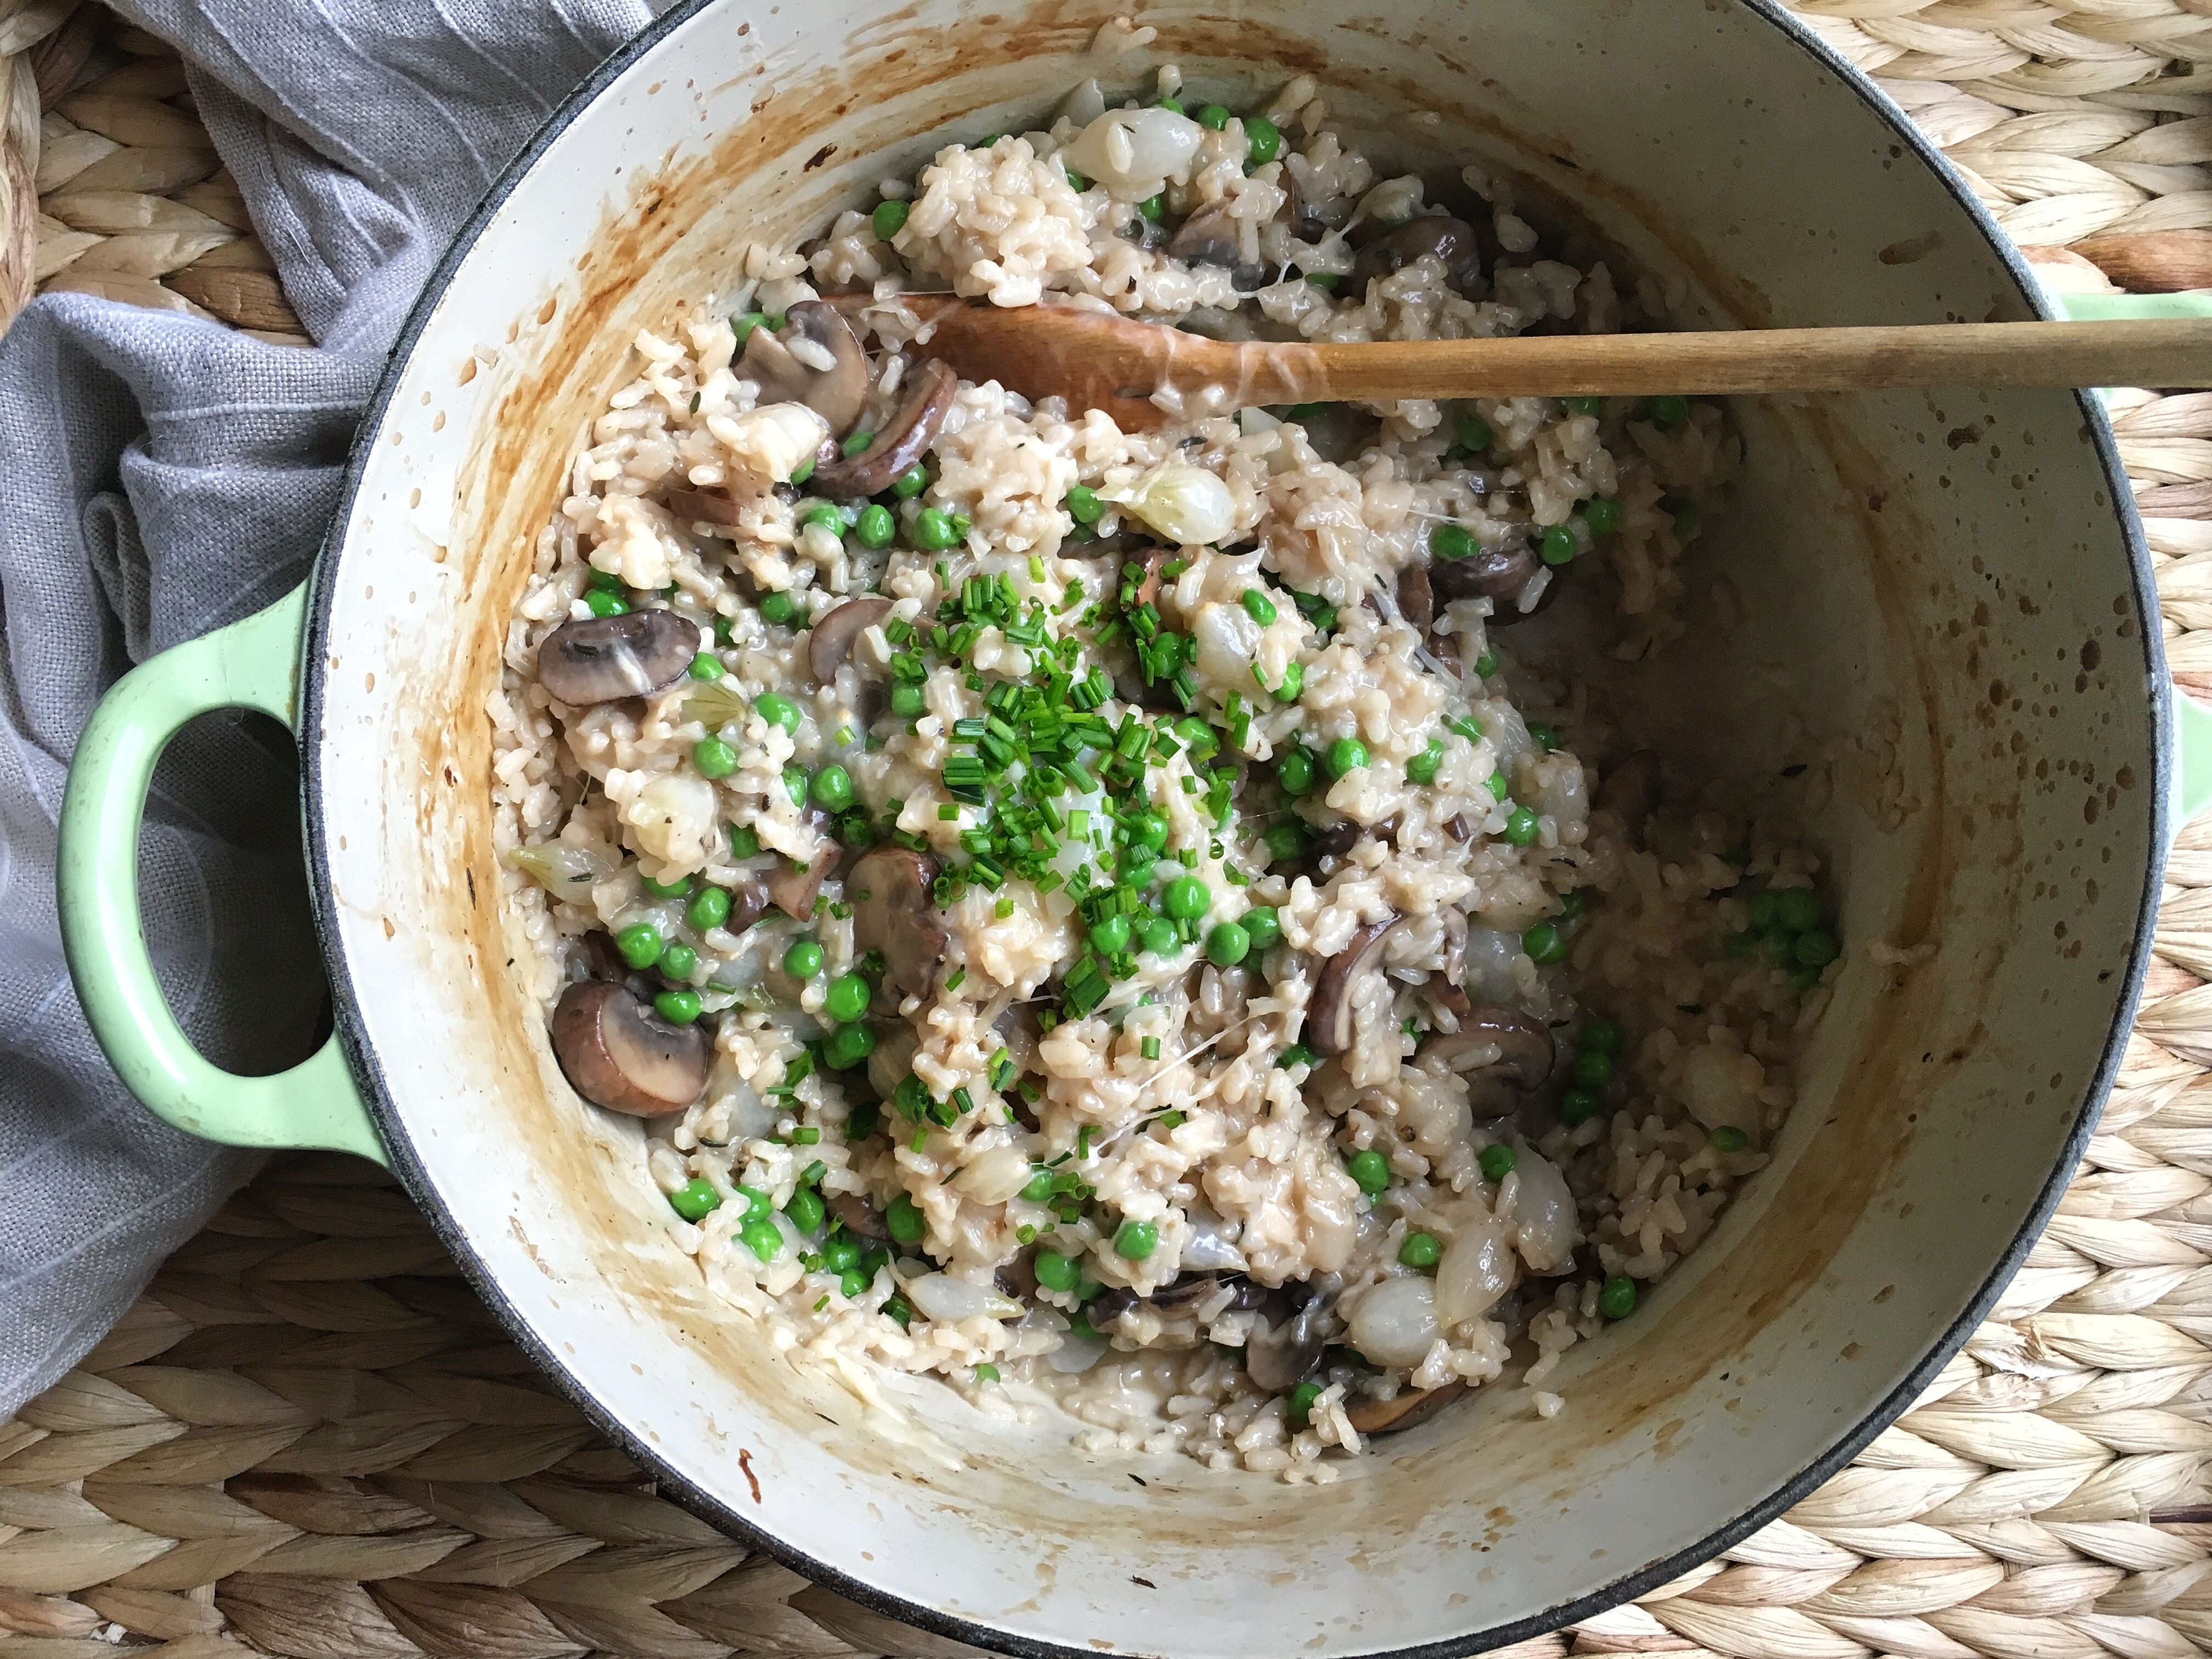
{"x":161,"y":476}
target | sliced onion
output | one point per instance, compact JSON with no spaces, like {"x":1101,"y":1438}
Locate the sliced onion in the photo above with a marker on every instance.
{"x":1548,"y":1228}
{"x":714,"y":704}
{"x":1395,"y":1322}
{"x":1478,"y":1268}
{"x":1134,"y":152}
{"x":1076,"y":1354}
{"x":565,"y":870}
{"x":1210,"y":1247}
{"x":1187,"y":505}
{"x":995,"y":1174}
{"x":672,"y":820}
{"x":941,"y":1296}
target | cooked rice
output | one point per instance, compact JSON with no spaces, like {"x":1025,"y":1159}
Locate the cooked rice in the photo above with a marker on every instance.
{"x":1253,"y":1174}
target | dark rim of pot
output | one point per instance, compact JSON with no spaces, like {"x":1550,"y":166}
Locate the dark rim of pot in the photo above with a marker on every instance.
{"x":715,"y":1512}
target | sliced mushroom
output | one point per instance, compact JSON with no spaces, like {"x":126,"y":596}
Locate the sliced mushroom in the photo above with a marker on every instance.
{"x":1451,"y":241}
{"x":603,"y":659}
{"x":905,"y":441}
{"x":1417,"y":601}
{"x":861,"y":1219}
{"x":837,"y":393}
{"x":1109,"y":1304}
{"x":1193,"y":1290}
{"x":1329,"y":1017}
{"x":1017,"y":1278}
{"x":701,"y":506}
{"x":793,"y":888}
{"x":1498,"y":574}
{"x":895,"y":911}
{"x":1286,"y":1352}
{"x":835,"y":632}
{"x":618,"y":1053}
{"x":748,"y":904}
{"x":1409,"y":1407}
{"x":1334,"y":842}
{"x":1523,"y":1042}
{"x":1631,"y":789}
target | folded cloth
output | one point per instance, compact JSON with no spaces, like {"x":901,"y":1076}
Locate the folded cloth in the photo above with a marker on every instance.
{"x":163,"y":476}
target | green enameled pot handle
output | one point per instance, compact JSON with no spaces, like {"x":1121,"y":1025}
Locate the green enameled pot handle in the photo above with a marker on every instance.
{"x":2192,"y":722}
{"x":253,"y":664}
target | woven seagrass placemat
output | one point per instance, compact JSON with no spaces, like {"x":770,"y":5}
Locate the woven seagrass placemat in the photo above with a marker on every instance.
{"x":310,"y":1439}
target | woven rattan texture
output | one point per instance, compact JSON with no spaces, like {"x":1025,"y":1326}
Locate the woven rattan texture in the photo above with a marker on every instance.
{"x":309,"y":1439}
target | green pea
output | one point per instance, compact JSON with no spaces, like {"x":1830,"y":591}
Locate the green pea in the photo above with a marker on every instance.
{"x":1149,"y":829}
{"x":1227,"y":944}
{"x":1618,"y":1299}
{"x":846,"y":998}
{"x":932,"y":530}
{"x":1076,"y":181}
{"x":696,"y":1199}
{"x":1585,"y":405}
{"x":1486,"y":665}
{"x":677,"y":961}
{"x":709,"y":907}
{"x":1602,"y":1037}
{"x":1369,"y":1171}
{"x":763,"y":1237}
{"x":1521,"y":828}
{"x":1346,"y":755}
{"x":803,"y":960}
{"x":1602,"y":514}
{"x":832,"y":787}
{"x":1326,"y":281}
{"x":804,"y":1209}
{"x":1420,"y":1250}
{"x":1160,"y":937}
{"x":847,"y":1046}
{"x":1263,"y":926}
{"x":606,"y":580}
{"x":1730,"y":1139}
{"x":1571,"y":902}
{"x":802,"y":472}
{"x":714,"y":758}
{"x":1135,"y":1240}
{"x":1111,"y":936}
{"x":779,"y":608}
{"x":777,"y":710}
{"x":889,"y":219}
{"x":1765,"y":908}
{"x":1175,"y":104}
{"x":1284,"y":841}
{"x":1593,"y":1069}
{"x":903,"y":1219}
{"x":826,"y":514}
{"x":908,"y":701}
{"x":1668,"y":410}
{"x":1797,"y":909}
{"x":875,"y":527}
{"x":1816,"y":950}
{"x":677,"y":1007}
{"x":1577,"y":1103}
{"x":1084,"y":505}
{"x":744,"y":325}
{"x":745,"y":842}
{"x":1135,"y":864}
{"x":1543,"y":944}
{"x":1472,"y":434}
{"x":665,"y":889}
{"x":1213,"y":117}
{"x":1264,"y":139}
{"x":1544,"y":738}
{"x":853,"y":1284}
{"x":1300,"y":1402}
{"x":1496,"y":1162}
{"x":911,"y":483}
{"x":1560,"y":544}
{"x":640,"y":944}
{"x":1187,"y":899}
{"x":1152,"y":208}
{"x":1294,"y":771}
{"x":1451,"y":541}
{"x":1197,"y":736}
{"x":1056,"y":1272}
{"x":840,"y":1251}
{"x":706,"y":667}
{"x":1422,"y":768}
{"x":1258,"y":606}
{"x":601,"y":603}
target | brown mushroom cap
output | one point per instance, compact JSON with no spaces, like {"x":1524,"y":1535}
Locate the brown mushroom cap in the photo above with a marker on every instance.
{"x":1452,"y":241}
{"x":838,"y":393}
{"x":793,"y":888}
{"x":1329,"y":1017}
{"x":1523,"y":1042}
{"x":895,"y":911}
{"x":1417,"y":600}
{"x":618,"y":1054}
{"x":1409,"y":1407}
{"x":861,"y":1219}
{"x":902,"y":442}
{"x":700,"y":505}
{"x":836,"y":631}
{"x":1631,"y":789}
{"x":1283,"y":1354}
{"x":603,"y":659}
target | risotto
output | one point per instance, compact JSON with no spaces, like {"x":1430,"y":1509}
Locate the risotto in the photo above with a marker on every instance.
{"x":1102,"y":917}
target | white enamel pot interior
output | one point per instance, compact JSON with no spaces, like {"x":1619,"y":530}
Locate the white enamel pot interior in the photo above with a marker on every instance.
{"x":1924,"y":629}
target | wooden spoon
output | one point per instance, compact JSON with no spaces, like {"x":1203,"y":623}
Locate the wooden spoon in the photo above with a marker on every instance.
{"x":1096,"y":359}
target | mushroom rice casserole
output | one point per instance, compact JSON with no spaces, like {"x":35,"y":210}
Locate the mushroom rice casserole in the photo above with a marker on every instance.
{"x":1102,"y":917}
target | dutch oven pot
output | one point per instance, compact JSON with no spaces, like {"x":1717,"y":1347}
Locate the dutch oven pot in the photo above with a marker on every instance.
{"x":1946,"y":620}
